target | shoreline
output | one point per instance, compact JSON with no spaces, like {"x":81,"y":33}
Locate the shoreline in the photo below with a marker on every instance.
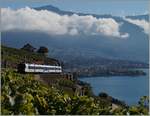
{"x":109,"y":76}
{"x":110,"y":73}
{"x":83,"y":79}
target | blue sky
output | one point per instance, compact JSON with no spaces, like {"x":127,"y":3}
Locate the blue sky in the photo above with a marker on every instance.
{"x":115,"y":7}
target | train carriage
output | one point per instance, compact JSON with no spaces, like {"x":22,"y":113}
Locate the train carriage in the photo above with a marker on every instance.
{"x":36,"y":68}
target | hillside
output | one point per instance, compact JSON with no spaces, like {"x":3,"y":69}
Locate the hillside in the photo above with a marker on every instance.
{"x":12,"y":56}
{"x":32,"y":97}
{"x":81,"y":67}
{"x":52,"y":94}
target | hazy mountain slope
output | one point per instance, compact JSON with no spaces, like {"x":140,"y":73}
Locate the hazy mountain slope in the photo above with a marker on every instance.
{"x":87,"y":46}
{"x":140,"y":17}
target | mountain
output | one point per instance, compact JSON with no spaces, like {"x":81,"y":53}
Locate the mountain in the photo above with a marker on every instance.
{"x":69,"y":48}
{"x":54,"y":9}
{"x":62,"y":12}
{"x":140,"y":17}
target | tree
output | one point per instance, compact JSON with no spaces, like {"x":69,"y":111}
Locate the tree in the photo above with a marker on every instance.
{"x":144,"y":101}
{"x":103,"y":95}
{"x":43,"y":50}
{"x":28,"y":48}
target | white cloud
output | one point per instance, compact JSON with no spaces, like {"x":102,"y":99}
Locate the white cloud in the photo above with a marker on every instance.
{"x":52,"y":23}
{"x":141,"y":23}
{"x":125,"y":35}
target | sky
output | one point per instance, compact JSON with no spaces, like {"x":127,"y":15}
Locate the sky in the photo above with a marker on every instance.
{"x":115,"y":7}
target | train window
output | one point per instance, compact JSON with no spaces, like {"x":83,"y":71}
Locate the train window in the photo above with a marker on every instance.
{"x":45,"y":68}
{"x":34,"y":67}
{"x":30,"y":67}
{"x":58,"y":68}
{"x":38,"y":67}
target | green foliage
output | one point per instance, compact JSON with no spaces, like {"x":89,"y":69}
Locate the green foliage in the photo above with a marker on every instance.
{"x":66,"y":82}
{"x":42,"y":50}
{"x":23,"y":95}
{"x":142,"y":107}
{"x":103,"y":95}
{"x":11,"y":57}
{"x":120,"y":111}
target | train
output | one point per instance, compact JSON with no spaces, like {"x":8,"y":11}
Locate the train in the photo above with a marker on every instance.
{"x":37,"y":68}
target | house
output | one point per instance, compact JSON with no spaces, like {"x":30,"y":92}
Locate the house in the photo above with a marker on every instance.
{"x":28,"y":48}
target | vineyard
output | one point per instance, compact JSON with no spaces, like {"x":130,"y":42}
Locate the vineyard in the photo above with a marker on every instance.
{"x":12,"y":56}
{"x":23,"y":95}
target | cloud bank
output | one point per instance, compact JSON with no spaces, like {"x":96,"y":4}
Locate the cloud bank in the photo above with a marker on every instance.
{"x":141,"y":23}
{"x":55,"y":24}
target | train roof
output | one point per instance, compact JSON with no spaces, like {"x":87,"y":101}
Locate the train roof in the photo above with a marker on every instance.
{"x":39,"y":65}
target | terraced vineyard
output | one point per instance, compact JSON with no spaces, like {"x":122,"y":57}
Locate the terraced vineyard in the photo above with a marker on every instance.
{"x":22,"y":94}
{"x":12,"y":56}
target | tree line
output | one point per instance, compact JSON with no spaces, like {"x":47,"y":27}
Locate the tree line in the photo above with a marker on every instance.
{"x":41,"y":50}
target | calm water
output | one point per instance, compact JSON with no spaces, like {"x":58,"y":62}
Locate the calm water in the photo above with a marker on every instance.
{"x":125,"y":88}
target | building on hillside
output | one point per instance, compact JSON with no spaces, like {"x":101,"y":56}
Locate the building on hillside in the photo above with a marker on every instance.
{"x":28,"y":48}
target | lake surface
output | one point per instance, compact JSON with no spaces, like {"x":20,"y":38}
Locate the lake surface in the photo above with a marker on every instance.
{"x":125,"y":88}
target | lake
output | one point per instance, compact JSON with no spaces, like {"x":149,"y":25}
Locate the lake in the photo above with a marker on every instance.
{"x":125,"y":88}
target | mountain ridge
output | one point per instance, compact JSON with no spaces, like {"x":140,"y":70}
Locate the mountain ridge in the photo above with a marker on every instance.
{"x":65,"y":47}
{"x":59,"y":11}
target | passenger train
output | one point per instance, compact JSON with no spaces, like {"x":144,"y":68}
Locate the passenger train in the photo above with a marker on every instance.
{"x":36,"y":68}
